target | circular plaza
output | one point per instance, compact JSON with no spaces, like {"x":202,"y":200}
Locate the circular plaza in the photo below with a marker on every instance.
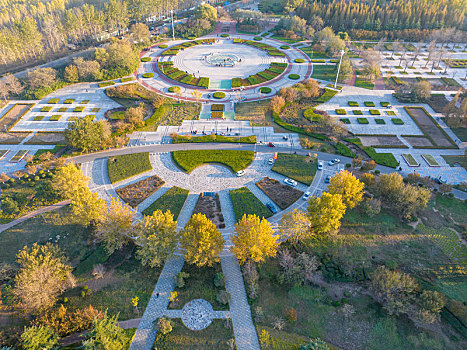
{"x":238,"y":67}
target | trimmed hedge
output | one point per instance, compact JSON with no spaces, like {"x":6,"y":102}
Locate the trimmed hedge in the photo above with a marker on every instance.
{"x":285,"y":47}
{"x":38,"y":118}
{"x":357,"y":112}
{"x":127,"y":165}
{"x":62,"y":109}
{"x":55,"y":118}
{"x":146,"y":59}
{"x":294,"y":76}
{"x":106,"y":83}
{"x":126,"y":79}
{"x":53,"y":101}
{"x":225,"y":35}
{"x":341,"y":111}
{"x":299,"y":60}
{"x":369,"y":104}
{"x":217,"y":107}
{"x":69,"y":101}
{"x":344,"y":150}
{"x":375,"y":112}
{"x":353,"y":104}
{"x":213,"y":138}
{"x":384,"y":104}
{"x":78,"y":109}
{"x":397,"y":121}
{"x":345,"y":120}
{"x":257,"y":38}
{"x":265,"y":90}
{"x":362,"y":121}
{"x":219,"y":95}
{"x":172,"y":89}
{"x":148,"y":75}
{"x":380,"y":121}
{"x":390,"y":113}
{"x":163,"y":46}
{"x":46,"y":109}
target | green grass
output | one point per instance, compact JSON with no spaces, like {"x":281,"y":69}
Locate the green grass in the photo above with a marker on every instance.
{"x":357,"y":112}
{"x":128,"y":165}
{"x":46,"y":109}
{"x":324,"y":72}
{"x":461,"y":133}
{"x":341,"y":111}
{"x":55,"y":117}
{"x":328,"y":94}
{"x":461,"y":160}
{"x":172,"y":200}
{"x":369,"y":104}
{"x":181,"y":338}
{"x":364,"y":83}
{"x":38,"y":117}
{"x":118,"y":115}
{"x":78,"y":109}
{"x":300,"y":168}
{"x":410,"y":159}
{"x":97,"y":256}
{"x":235,"y":160}
{"x":397,"y":121}
{"x":362,"y":121}
{"x":245,"y":202}
{"x":386,"y":159}
{"x":106,"y":83}
{"x":380,"y":121}
{"x":375,"y":112}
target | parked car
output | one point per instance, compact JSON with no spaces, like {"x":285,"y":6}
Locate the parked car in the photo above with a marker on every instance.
{"x":290,"y":182}
{"x":271,"y":161}
{"x":334,"y":161}
{"x":271,"y":207}
{"x":270,"y":144}
{"x":240,"y":173}
{"x":306,"y":195}
{"x":320,"y":165}
{"x":326,"y":180}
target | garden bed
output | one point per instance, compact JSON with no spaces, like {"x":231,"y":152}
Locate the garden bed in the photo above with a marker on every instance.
{"x":430,"y":160}
{"x":137,"y":192}
{"x":210,"y":207}
{"x":19,"y":156}
{"x":234,"y":160}
{"x":172,"y":200}
{"x":300,"y":168}
{"x":245,"y":203}
{"x":410,"y":160}
{"x":282,"y":195}
{"x":128,"y":165}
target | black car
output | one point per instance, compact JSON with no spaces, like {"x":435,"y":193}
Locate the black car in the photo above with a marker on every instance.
{"x":326,"y":180}
{"x":271,"y":207}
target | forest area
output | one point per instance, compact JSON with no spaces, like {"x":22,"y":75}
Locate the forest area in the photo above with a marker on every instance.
{"x":31,"y":30}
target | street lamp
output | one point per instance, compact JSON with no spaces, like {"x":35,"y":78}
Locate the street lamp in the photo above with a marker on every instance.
{"x":173,"y":32}
{"x":339,"y":68}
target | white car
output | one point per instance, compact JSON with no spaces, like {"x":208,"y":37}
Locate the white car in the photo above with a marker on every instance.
{"x":334,"y":161}
{"x":271,"y":161}
{"x":320,"y":165}
{"x":290,"y":182}
{"x":306,"y":195}
{"x":240,"y":173}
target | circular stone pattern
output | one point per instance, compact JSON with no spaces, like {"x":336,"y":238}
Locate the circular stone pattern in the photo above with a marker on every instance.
{"x":222,"y":59}
{"x":197,"y":314}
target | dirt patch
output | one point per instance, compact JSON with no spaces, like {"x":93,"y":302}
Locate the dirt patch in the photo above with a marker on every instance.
{"x":137,"y":192}
{"x":211,"y":207}
{"x":12,"y":138}
{"x":381,"y":141}
{"x":280,"y":194}
{"x":15,"y":112}
{"x":46,"y":138}
{"x":418,"y":141}
{"x":427,"y":125}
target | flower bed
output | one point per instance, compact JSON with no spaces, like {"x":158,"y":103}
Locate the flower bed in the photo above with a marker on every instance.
{"x":375,"y":112}
{"x":190,"y":160}
{"x":217,"y":115}
{"x":217,"y":107}
{"x":46,"y":109}
{"x":362,"y":121}
{"x":282,"y":195}
{"x":410,"y":160}
{"x":135,"y":193}
{"x":172,"y":200}
{"x":341,"y":111}
{"x":127,"y":165}
{"x":397,"y":121}
{"x":244,"y":202}
{"x":369,"y":104}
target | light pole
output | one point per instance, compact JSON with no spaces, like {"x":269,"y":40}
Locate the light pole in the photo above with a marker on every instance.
{"x":339,"y":68}
{"x":173,"y":31}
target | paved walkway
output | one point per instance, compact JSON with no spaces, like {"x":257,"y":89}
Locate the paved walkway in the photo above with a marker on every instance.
{"x":245,"y":334}
{"x":157,"y":306}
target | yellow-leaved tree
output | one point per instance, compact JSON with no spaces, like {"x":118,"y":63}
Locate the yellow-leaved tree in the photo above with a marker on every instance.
{"x":254,"y":239}
{"x":157,"y":238}
{"x":347,"y":185}
{"x":201,"y":241}
{"x":295,"y":226}
{"x":325,"y":212}
{"x":70,"y":181}
{"x":115,"y":225}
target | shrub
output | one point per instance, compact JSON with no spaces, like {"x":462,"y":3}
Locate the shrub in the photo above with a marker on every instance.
{"x":257,"y":38}
{"x":164,"y":325}
{"x":148,"y":75}
{"x":265,"y":90}
{"x":46,"y":109}
{"x":369,"y":103}
{"x":106,"y":83}
{"x":345,"y":120}
{"x":290,"y":314}
{"x":53,"y":101}
{"x":55,"y":117}
{"x":78,"y":109}
{"x":294,"y":76}
{"x":146,"y":59}
{"x":362,"y":121}
{"x":390,"y":113}
{"x":380,"y":121}
{"x":223,"y":297}
{"x":357,"y":112}
{"x":299,"y":60}
{"x":163,"y":46}
{"x":285,"y":47}
{"x":353,"y":103}
{"x":219,"y":280}
{"x":224,"y":35}
{"x":397,"y":121}
{"x":127,"y":79}
{"x":172,"y":89}
{"x":69,"y":101}
{"x":341,"y":111}
{"x":384,"y":104}
{"x":236,"y":160}
{"x":217,"y":107}
{"x":375,"y":112}
{"x":219,"y":95}
{"x":38,"y":117}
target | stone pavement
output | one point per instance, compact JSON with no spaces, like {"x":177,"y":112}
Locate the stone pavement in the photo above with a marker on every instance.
{"x":240,"y":313}
{"x":157,"y":306}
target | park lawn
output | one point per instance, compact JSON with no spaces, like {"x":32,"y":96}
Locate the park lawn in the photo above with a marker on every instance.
{"x":172,"y":200}
{"x":234,"y":160}
{"x":215,"y":336}
{"x":200,"y":284}
{"x":461,"y":133}
{"x":461,"y":160}
{"x":300,"y":168}
{"x":128,"y":165}
{"x":364,"y":83}
{"x":324,"y":72}
{"x":245,"y":203}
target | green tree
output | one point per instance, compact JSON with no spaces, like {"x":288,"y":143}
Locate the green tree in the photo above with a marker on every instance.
{"x":346,"y":70}
{"x":164,"y":325}
{"x":41,"y":78}
{"x":431,"y":303}
{"x":69,"y":181}
{"x":71,"y":74}
{"x":347,"y":185}
{"x":254,"y":239}
{"x":325,"y":212}
{"x":42,"y":277}
{"x":106,"y":335}
{"x":115,"y":225}
{"x":86,"y":134}
{"x":421,"y":91}
{"x":201,"y":241}
{"x":206,"y":12}
{"x":157,"y":238}
{"x":39,"y":338}
{"x":315,"y":344}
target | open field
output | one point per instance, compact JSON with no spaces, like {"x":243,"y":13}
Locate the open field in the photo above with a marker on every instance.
{"x":245,"y":203}
{"x":253,"y":111}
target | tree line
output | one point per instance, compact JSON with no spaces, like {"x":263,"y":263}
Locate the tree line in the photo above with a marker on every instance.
{"x":32,"y":31}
